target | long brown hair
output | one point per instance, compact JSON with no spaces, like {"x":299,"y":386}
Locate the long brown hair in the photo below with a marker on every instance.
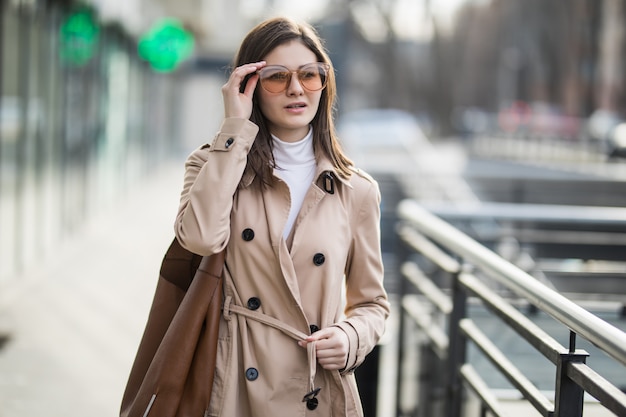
{"x":257,"y":44}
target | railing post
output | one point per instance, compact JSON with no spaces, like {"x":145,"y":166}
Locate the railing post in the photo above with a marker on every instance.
{"x":402,"y":256}
{"x":568,"y":396}
{"x":456,"y":353}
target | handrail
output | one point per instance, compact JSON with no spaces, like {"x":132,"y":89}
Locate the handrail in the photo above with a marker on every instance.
{"x":597,"y":331}
{"x":506,"y":366}
{"x":544,"y":213}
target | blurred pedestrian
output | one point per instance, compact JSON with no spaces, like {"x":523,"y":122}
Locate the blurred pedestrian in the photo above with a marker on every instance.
{"x":303,"y":277}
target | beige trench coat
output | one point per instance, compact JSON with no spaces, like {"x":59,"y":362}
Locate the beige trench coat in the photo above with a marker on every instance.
{"x":277,"y":294}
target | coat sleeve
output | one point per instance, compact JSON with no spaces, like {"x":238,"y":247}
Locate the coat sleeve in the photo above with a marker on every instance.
{"x":367,"y":306}
{"x":212,"y":174}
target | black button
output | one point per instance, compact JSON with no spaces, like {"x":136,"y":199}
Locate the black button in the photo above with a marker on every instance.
{"x":311,"y":403}
{"x":254,"y":303}
{"x":229,"y":142}
{"x":319,"y":259}
{"x":313,"y":328}
{"x":252,"y":374}
{"x":247,"y":234}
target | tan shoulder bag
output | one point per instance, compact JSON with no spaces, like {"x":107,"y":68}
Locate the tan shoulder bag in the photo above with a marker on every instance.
{"x":172,"y":374}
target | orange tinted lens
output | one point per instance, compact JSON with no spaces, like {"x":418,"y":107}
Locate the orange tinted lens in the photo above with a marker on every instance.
{"x":274,"y":80}
{"x":312,"y":77}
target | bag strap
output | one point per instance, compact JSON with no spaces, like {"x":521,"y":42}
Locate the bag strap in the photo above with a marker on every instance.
{"x":214,"y":264}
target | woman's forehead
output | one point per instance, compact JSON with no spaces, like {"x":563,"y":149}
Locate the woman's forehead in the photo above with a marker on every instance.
{"x":292,"y":54}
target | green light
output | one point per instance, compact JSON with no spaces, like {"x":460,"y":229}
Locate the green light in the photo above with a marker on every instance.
{"x":79,"y":37}
{"x":166,"y":45}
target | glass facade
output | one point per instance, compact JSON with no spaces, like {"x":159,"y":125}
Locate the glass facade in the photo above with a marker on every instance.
{"x":78,"y":127}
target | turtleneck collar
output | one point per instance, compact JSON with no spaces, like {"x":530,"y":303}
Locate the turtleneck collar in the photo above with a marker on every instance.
{"x":288,"y":154}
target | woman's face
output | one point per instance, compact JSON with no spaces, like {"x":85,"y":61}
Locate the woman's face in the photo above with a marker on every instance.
{"x":289,"y":112}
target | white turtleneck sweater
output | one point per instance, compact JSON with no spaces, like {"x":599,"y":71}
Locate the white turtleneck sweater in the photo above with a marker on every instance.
{"x":296,"y":165}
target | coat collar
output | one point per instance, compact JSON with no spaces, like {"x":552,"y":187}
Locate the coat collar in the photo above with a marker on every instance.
{"x":324,"y":168}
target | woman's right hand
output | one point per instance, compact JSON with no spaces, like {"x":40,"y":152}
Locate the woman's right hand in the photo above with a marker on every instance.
{"x":236,"y":103}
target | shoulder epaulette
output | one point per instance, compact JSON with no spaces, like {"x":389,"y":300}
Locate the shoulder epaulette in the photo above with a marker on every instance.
{"x":362,"y":174}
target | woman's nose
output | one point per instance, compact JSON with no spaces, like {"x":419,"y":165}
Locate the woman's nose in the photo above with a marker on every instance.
{"x":294,"y":87}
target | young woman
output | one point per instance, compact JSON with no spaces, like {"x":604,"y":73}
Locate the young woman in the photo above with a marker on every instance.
{"x":303,"y":278}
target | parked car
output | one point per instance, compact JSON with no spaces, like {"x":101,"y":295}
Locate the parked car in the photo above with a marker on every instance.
{"x":609,"y":129}
{"x":617,"y":141}
{"x":380,"y":139}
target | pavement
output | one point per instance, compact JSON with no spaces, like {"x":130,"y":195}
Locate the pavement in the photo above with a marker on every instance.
{"x":70,"y":326}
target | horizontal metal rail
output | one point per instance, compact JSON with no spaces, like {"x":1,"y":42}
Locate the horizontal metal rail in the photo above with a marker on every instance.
{"x":421,"y":317}
{"x":425,"y":286}
{"x":452,"y":252}
{"x":533,"y":334}
{"x":507,"y":368}
{"x":540,"y":213}
{"x":427,"y":248}
{"x":608,"y":394}
{"x":592,"y":328}
{"x":478,"y":385}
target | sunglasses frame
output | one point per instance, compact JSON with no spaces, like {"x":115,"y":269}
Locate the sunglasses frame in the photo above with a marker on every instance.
{"x":318,"y":65}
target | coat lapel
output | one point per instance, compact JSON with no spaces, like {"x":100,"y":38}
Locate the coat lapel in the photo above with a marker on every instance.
{"x":276,"y":212}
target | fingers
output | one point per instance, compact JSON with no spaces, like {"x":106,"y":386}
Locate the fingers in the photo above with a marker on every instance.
{"x":324,"y":333}
{"x":251,"y":85}
{"x":331,"y":347}
{"x":334,"y":358}
{"x":240,"y":73}
{"x":238,"y":103}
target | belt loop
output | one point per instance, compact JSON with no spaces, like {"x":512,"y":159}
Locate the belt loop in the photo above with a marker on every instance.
{"x":226,"y":308}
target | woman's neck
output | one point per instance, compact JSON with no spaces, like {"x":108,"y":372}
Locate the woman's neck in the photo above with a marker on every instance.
{"x":294,"y":153}
{"x":290,"y":135}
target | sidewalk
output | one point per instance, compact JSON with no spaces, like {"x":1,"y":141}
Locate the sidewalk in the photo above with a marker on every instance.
{"x":74,"y":322}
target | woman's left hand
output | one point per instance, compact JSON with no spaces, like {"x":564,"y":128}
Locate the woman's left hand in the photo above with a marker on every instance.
{"x":332,"y":347}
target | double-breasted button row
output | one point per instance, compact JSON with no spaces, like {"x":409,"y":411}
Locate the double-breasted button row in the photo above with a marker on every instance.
{"x":247,"y":234}
{"x":254,"y":303}
{"x":319,"y":259}
{"x":252,"y":374}
{"x":314,"y":328}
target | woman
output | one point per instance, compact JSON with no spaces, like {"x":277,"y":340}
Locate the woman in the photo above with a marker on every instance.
{"x":304,"y":298}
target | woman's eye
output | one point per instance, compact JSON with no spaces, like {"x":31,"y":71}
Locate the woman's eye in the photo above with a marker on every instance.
{"x":278,"y":76}
{"x":307,"y":75}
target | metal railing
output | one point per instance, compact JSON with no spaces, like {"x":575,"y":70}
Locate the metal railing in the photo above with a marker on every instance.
{"x":441,"y":315}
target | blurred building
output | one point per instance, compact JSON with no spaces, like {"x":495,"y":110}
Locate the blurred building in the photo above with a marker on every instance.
{"x":82,"y":116}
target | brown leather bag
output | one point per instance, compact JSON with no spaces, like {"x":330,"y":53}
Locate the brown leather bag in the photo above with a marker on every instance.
{"x":172,"y":374}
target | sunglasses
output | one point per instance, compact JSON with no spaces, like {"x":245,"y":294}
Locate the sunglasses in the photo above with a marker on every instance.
{"x":276,"y":78}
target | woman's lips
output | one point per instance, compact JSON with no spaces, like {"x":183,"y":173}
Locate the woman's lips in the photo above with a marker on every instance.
{"x":295,"y":107}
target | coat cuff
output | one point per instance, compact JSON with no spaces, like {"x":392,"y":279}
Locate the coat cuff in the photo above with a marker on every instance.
{"x":234,"y":132}
{"x":353,"y":338}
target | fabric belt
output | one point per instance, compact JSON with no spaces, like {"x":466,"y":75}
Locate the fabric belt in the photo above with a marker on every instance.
{"x":290,"y":331}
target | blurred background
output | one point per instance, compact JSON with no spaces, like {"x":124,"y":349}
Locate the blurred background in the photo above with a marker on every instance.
{"x":101,"y":101}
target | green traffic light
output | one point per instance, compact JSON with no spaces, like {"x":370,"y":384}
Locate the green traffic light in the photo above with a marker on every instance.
{"x":79,"y":37}
{"x":166,"y":45}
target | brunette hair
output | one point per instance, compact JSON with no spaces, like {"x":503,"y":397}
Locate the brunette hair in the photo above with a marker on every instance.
{"x":257,"y":44}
